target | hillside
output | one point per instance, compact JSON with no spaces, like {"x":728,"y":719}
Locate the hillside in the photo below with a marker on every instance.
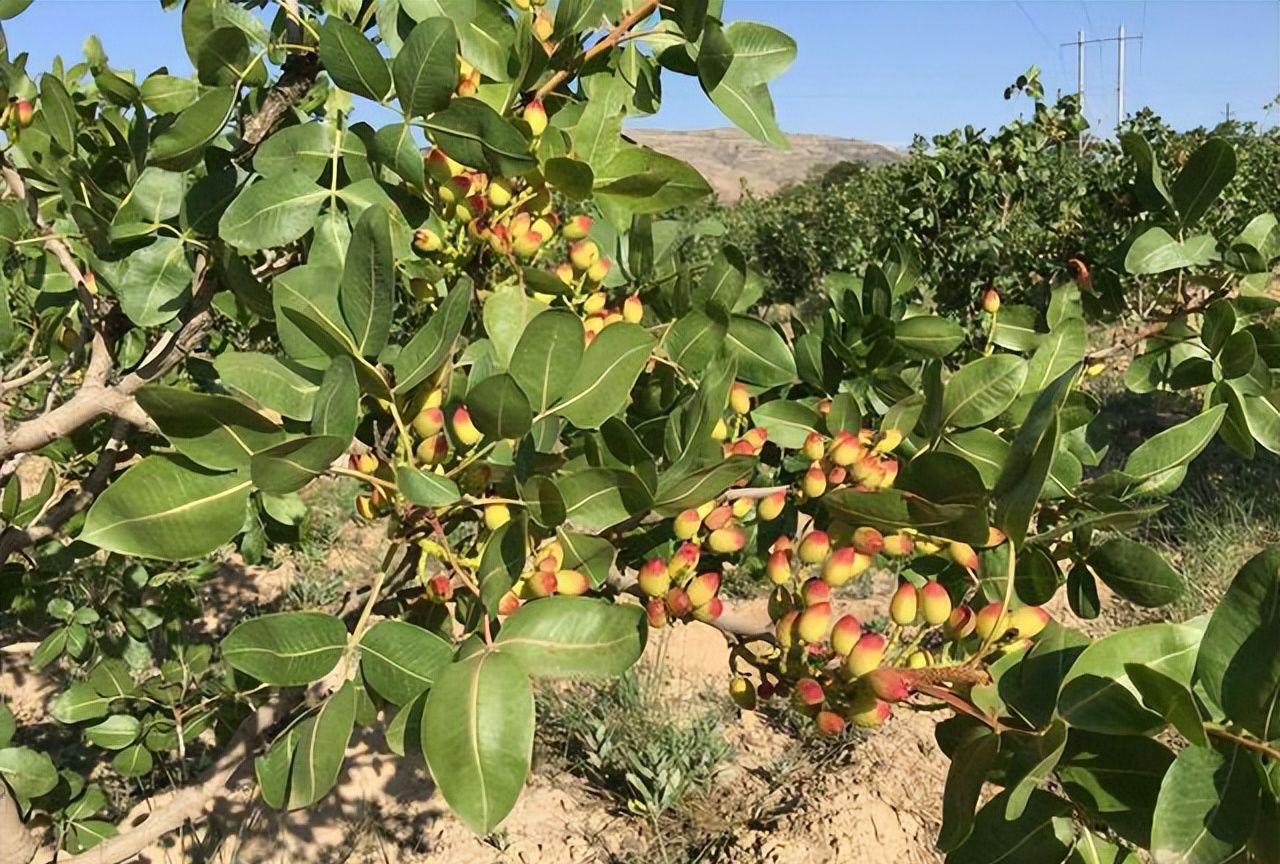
{"x":729,"y":158}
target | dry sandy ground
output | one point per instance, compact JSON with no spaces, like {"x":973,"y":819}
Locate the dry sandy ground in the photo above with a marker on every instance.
{"x":874,"y":801}
{"x":878,"y":802}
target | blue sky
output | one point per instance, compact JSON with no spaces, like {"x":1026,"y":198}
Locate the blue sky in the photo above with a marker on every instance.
{"x":877,"y":70}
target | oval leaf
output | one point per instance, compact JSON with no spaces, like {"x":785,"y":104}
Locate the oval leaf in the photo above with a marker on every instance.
{"x":574,"y":637}
{"x":286,"y":648}
{"x":477,"y":735}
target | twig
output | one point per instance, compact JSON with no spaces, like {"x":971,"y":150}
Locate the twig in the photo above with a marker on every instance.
{"x":640,"y":13}
{"x":23,"y":380}
{"x":1240,"y":741}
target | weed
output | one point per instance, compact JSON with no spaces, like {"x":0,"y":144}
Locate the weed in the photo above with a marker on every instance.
{"x":317,"y":583}
{"x":627,"y":742}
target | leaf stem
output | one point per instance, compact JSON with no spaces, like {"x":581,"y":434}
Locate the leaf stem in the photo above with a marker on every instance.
{"x":1240,"y":741}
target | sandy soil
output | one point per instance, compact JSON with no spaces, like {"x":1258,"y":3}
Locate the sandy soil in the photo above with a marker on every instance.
{"x":874,"y":800}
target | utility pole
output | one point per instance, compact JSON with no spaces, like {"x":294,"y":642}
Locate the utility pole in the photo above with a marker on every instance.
{"x":1120,"y":77}
{"x":1228,"y":112}
{"x":1080,"y":43}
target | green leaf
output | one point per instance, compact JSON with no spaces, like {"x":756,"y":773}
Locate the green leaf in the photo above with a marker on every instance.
{"x":592,"y":556}
{"x":1207,"y":808}
{"x":1170,"y":699}
{"x":499,"y":407}
{"x":715,"y":53}
{"x":788,"y":423}
{"x":894,"y":509}
{"x":337,"y":401}
{"x":322,"y":745}
{"x":487,"y":36}
{"x":501,"y":562}
{"x":368,"y":287}
{"x":78,"y":703}
{"x":426,"y":68}
{"x":395,"y":148}
{"x":8,"y":725}
{"x":286,"y":649}
{"x":477,"y":735}
{"x":432,"y":345}
{"x":425,"y":488}
{"x":1159,"y":463}
{"x":477,"y":136}
{"x":167,"y":507}
{"x":1041,"y":835}
{"x":610,"y":367}
{"x":547,"y":357}
{"x":1037,"y":758}
{"x":507,"y":313}
{"x":111,"y":678}
{"x":981,"y":390}
{"x":156,"y":283}
{"x":928,"y":335}
{"x":1136,"y":572}
{"x":154,"y":198}
{"x":59,"y":112}
{"x":637,"y":180}
{"x":308,"y":315}
{"x":679,"y":491}
{"x":12,"y":9}
{"x":694,"y":339}
{"x":352,"y":61}
{"x":217,"y":432}
{"x":598,"y":498}
{"x":272,"y":768}
{"x":1238,"y":665}
{"x":288,"y":467}
{"x":724,"y":280}
{"x":1098,"y":696}
{"x":1157,"y":251}
{"x":1202,"y":179}
{"x":405,"y":729}
{"x":400,"y":660}
{"x":1116,"y":778}
{"x":306,"y":149}
{"x":758,"y":54}
{"x":574,"y":637}
{"x":115,"y":733}
{"x":970,"y":763}
{"x":273,"y":383}
{"x":272,"y":212}
{"x":29,"y":773}
{"x":571,"y":177}
{"x":761,"y":53}
{"x":135,"y":761}
{"x":168,"y":94}
{"x":181,"y":145}
{"x":1059,"y":350}
{"x":1150,"y":184}
{"x":763,"y":356}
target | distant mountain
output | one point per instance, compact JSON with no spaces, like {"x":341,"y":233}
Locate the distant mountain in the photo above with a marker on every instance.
{"x":729,"y":158}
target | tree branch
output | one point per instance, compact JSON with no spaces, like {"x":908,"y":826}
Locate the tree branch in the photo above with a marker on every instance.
{"x":96,"y":399}
{"x":186,"y":804}
{"x":641,"y":12}
{"x":14,"y":539}
{"x":297,"y":77}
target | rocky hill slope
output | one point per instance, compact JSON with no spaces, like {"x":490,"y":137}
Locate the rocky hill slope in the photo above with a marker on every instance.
{"x":730,"y":159}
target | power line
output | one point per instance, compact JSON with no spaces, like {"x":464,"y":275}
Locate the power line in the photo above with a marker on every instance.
{"x":1043,"y":36}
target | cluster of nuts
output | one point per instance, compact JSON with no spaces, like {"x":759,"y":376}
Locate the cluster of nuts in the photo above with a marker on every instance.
{"x":840,"y":672}
{"x":675,"y":591}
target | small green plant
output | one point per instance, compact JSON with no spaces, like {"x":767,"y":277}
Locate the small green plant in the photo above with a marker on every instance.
{"x":632,"y":745}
